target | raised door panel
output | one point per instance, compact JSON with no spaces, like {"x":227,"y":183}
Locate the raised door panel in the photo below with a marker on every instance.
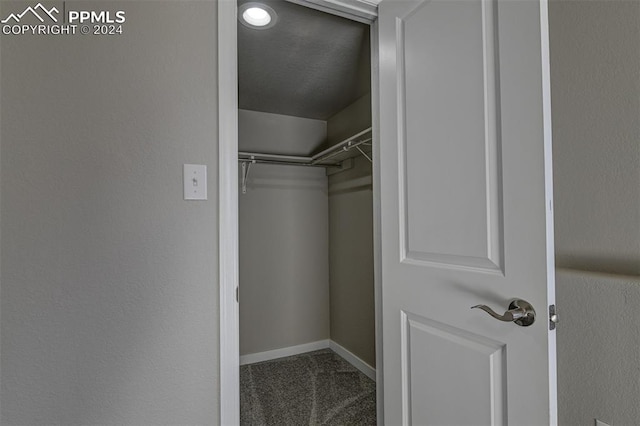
{"x":450,"y":170}
{"x":452,"y":377}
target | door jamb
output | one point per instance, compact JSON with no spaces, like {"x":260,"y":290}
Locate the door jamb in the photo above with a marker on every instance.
{"x":228,"y":243}
{"x":228,"y":256}
{"x":377,"y":231}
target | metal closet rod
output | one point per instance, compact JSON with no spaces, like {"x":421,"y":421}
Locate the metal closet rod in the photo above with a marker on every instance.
{"x":337,"y":148}
{"x":252,"y":157}
{"x":282,"y":163}
{"x":315,"y":160}
{"x":346,"y":147}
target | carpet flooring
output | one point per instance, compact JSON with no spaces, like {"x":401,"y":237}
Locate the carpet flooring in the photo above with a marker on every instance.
{"x":316,"y":388}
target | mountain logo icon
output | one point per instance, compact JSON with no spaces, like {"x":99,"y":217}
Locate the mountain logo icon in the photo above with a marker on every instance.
{"x":33,"y":11}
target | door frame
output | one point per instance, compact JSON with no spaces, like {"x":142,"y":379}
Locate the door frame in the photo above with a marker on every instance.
{"x":228,"y":226}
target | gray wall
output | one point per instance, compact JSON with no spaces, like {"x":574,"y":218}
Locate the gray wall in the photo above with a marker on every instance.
{"x":109,"y":295}
{"x":598,"y":348}
{"x":279,"y":134}
{"x":284,"y":266}
{"x":595,"y":64}
{"x":351,"y":120}
{"x":351,"y":260}
{"x":306,"y":256}
{"x":351,"y":241}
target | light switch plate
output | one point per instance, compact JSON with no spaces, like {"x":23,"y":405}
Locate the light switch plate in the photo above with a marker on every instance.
{"x":599,"y":423}
{"x":195,"y":181}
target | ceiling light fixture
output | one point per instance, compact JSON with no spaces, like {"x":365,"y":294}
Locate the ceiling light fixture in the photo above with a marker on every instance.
{"x":257,"y":16}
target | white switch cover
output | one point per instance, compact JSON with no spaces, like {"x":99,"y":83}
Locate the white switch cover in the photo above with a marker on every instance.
{"x":195,"y":182}
{"x":599,"y":423}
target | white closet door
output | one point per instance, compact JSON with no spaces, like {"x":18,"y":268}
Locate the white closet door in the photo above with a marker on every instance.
{"x":465,"y":212}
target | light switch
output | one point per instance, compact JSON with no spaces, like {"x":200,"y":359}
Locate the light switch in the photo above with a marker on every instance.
{"x":195,"y":181}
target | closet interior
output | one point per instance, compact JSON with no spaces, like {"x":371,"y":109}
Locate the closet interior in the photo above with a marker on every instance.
{"x":305,"y":193}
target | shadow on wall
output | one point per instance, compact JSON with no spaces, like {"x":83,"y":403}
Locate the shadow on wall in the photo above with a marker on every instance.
{"x":599,"y":264}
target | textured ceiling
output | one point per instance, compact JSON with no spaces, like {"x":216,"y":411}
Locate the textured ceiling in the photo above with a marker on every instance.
{"x":310,"y":64}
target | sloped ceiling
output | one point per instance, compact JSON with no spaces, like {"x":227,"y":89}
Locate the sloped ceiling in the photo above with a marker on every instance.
{"x":310,"y":64}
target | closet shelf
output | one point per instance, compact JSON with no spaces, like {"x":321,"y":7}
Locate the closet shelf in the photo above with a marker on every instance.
{"x":356,"y":145}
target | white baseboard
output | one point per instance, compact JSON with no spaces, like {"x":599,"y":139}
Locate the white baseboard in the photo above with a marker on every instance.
{"x":283,"y":352}
{"x":358,"y":363}
{"x":352,"y":359}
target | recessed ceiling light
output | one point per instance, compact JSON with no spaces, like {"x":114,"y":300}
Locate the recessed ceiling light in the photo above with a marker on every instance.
{"x":257,"y":16}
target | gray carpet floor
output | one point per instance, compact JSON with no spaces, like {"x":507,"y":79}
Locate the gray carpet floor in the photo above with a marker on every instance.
{"x":316,"y":388}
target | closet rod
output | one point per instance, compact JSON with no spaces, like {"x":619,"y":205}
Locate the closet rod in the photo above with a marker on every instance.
{"x":345,"y":147}
{"x":289,"y":158}
{"x":340,"y":145}
{"x":283,"y":163}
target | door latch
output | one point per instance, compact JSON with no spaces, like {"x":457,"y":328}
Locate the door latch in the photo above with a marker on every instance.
{"x":553,"y":317}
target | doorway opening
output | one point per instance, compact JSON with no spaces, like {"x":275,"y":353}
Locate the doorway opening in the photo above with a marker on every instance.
{"x":307,"y":308}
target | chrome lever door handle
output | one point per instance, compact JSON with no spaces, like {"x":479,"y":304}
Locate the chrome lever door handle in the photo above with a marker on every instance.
{"x":520,"y":312}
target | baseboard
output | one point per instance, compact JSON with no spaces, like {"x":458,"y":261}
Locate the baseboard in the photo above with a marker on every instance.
{"x":352,"y":359}
{"x":283,"y":352}
{"x":365,"y":368}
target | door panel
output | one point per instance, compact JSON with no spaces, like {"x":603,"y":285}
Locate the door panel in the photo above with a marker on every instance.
{"x":476,"y":396}
{"x":451,"y":189}
{"x":465,"y":211}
